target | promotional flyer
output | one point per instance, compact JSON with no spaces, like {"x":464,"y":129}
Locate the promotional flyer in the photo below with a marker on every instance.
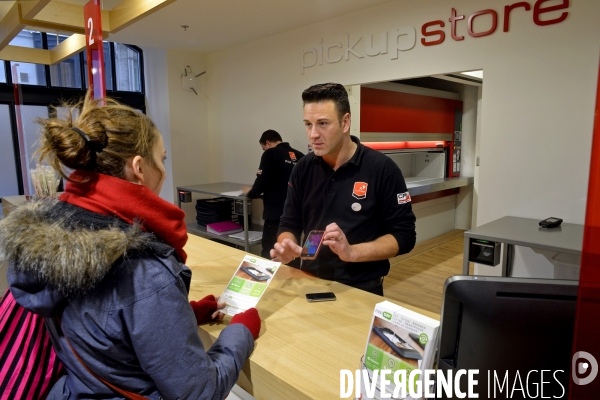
{"x":248,"y":284}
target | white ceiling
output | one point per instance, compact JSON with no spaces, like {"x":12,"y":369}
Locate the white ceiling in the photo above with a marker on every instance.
{"x":219,"y":24}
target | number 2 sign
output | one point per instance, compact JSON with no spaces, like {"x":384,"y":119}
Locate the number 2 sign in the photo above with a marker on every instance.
{"x":92,"y":15}
{"x":90,"y":26}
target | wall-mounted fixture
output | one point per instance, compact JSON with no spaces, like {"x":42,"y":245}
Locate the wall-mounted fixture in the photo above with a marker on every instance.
{"x":189,"y":81}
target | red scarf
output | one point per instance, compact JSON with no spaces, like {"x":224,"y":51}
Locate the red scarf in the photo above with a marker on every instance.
{"x":115,"y":197}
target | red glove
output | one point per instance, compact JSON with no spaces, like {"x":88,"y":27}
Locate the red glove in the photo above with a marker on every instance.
{"x":204,"y":309}
{"x":250,"y":319}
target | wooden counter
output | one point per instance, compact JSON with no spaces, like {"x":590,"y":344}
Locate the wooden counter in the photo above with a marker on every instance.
{"x":10,"y":202}
{"x":302,"y":346}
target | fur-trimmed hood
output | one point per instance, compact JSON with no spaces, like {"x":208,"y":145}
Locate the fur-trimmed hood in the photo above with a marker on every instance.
{"x":56,"y":249}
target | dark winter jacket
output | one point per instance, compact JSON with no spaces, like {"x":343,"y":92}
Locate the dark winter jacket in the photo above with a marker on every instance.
{"x":120,"y":297}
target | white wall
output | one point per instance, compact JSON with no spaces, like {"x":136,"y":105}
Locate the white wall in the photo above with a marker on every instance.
{"x":181,"y":116}
{"x":469,"y":128}
{"x":189,"y":121}
{"x":464,"y":200}
{"x":435,"y":217}
{"x":157,"y":108}
{"x":536,"y":125}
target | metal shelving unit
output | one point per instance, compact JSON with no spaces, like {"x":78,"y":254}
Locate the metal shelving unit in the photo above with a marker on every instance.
{"x":216,"y":190}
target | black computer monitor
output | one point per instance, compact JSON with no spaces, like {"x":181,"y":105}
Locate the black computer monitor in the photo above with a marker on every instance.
{"x":508,"y":325}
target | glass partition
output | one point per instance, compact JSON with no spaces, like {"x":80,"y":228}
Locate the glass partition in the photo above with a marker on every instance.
{"x":67,"y":73}
{"x":29,"y":74}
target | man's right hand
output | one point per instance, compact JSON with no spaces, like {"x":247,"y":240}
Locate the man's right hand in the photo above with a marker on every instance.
{"x":285,"y":251}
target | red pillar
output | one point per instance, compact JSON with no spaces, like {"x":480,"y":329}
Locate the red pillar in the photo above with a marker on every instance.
{"x":587,"y":322}
{"x":92,"y":13}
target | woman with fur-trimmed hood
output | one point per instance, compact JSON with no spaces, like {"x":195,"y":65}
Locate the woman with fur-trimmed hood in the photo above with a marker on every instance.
{"x":104,"y":265}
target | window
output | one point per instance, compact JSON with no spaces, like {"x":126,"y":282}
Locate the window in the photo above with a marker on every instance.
{"x":29,"y":74}
{"x":9,"y":184}
{"x":2,"y":72}
{"x":127,"y":64}
{"x":51,"y":85}
{"x":67,"y":73}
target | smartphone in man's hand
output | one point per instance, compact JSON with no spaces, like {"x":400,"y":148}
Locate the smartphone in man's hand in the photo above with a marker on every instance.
{"x":311,"y":247}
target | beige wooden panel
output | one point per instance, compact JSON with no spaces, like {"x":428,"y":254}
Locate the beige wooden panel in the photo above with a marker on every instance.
{"x":65,"y":16}
{"x":10,"y":26}
{"x":25,"y":54}
{"x":129,"y":11}
{"x":74,"y":44}
{"x":30,"y":8}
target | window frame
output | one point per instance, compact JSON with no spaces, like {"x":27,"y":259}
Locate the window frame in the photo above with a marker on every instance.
{"x":48,"y":95}
{"x":15,"y":141}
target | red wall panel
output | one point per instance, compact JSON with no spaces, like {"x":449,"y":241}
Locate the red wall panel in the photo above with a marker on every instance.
{"x":587,"y":322}
{"x":387,"y":111}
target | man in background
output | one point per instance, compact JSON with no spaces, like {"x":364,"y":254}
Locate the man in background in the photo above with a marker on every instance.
{"x":272,"y":178}
{"x":357,"y":195}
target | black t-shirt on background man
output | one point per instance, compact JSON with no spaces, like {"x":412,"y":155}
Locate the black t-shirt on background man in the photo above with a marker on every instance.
{"x":272,"y":178}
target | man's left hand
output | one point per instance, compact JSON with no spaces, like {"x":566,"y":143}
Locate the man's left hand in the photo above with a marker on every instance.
{"x":335,"y":238}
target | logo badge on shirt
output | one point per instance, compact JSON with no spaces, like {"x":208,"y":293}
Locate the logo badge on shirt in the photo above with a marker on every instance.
{"x":360,"y":190}
{"x":259,"y":172}
{"x":403,"y":198}
{"x":292,"y":155}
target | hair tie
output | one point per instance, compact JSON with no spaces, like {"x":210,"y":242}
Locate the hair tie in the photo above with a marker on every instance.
{"x":96,"y":147}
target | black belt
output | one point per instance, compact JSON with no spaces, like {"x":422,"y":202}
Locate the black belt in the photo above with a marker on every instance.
{"x":367,"y":285}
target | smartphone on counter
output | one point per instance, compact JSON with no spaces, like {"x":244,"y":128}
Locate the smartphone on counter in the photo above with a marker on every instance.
{"x":312,"y":244}
{"x":551,"y":222}
{"x":325,"y":296}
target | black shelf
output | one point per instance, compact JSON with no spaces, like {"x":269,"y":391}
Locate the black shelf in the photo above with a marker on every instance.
{"x":216,"y":190}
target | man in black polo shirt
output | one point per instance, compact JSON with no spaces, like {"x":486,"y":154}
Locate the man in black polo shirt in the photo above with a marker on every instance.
{"x":271,"y":181}
{"x":356,"y":194}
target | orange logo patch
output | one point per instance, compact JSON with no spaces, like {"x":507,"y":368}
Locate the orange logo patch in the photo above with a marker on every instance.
{"x":292,"y":155}
{"x":360,"y":190}
{"x":403,"y":198}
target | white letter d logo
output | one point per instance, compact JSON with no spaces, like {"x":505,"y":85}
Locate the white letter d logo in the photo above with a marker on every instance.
{"x":579,"y":367}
